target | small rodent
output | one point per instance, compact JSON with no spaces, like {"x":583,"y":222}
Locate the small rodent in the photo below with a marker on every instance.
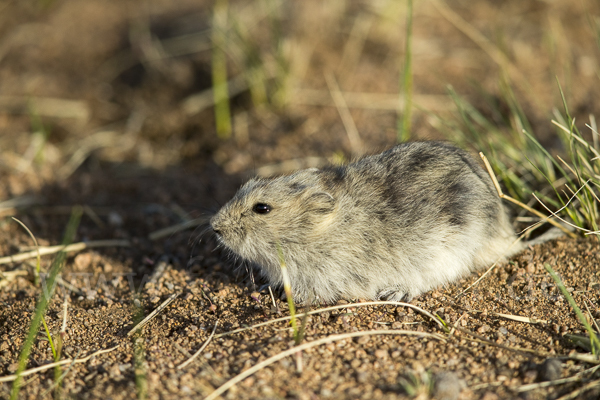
{"x":389,"y":226}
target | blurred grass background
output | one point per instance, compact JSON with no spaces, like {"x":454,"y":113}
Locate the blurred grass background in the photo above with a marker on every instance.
{"x":242,"y":84}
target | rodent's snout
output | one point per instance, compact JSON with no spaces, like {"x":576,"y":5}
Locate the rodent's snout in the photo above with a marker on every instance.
{"x":214,"y":225}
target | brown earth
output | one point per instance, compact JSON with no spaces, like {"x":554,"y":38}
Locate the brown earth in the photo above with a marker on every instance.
{"x":136,"y":147}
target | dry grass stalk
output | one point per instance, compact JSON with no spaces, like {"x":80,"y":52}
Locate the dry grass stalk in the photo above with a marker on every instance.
{"x":153,"y":314}
{"x":522,"y":205}
{"x":589,"y":358}
{"x":517,"y":318}
{"x":576,"y":393}
{"x":235,"y":380}
{"x":200,"y":101}
{"x":9,"y":276}
{"x":273,"y":299}
{"x":46,"y":107}
{"x":322,"y":310}
{"x":75,"y":247}
{"x":372,"y":101}
{"x":196,"y":354}
{"x":575,"y":378}
{"x":10,"y":378}
{"x":159,"y":270}
{"x":356,"y":143}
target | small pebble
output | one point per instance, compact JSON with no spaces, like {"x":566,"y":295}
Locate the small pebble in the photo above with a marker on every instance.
{"x":115,"y":219}
{"x":381,"y":353}
{"x":550,"y":370}
{"x":447,"y":386}
{"x":483,"y":329}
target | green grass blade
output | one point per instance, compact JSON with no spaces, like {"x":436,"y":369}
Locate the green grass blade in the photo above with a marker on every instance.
{"x":287,"y":287}
{"x":593,"y":338}
{"x":43,"y":301}
{"x":219,"y":71}
{"x":407,"y":83}
{"x":545,"y":152}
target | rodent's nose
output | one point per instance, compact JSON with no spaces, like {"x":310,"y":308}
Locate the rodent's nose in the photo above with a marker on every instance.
{"x":215,"y":226}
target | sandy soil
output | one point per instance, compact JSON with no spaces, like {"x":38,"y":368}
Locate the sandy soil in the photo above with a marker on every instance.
{"x":101,"y":106}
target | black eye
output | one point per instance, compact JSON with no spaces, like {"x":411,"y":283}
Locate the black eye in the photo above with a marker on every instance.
{"x":261,"y":208}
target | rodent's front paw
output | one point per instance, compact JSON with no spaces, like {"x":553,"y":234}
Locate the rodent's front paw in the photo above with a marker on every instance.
{"x":279,"y":292}
{"x":393,"y":294}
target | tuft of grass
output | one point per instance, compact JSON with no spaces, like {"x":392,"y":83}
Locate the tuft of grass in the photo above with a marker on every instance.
{"x":404,"y":124}
{"x":526,"y":168}
{"x":594,"y":341}
{"x":417,"y":384}
{"x":56,"y":350}
{"x":266,"y":64}
{"x":43,"y":301}
{"x":219,"y":70}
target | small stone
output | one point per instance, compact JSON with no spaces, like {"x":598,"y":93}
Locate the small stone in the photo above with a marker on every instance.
{"x":409,"y":353}
{"x":381,"y":353}
{"x":490,"y":396}
{"x":115,"y":219}
{"x":530,"y":268}
{"x":82,"y":261}
{"x":114,"y":371}
{"x":483,"y":329}
{"x":362,"y":377}
{"x":363,"y":340}
{"x":447,"y":386}
{"x":124,"y":367}
{"x":550,"y":370}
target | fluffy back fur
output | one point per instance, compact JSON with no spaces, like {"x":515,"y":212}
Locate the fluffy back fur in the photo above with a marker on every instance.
{"x":388,"y":226}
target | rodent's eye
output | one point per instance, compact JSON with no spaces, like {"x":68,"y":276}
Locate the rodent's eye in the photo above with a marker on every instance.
{"x":261,"y":208}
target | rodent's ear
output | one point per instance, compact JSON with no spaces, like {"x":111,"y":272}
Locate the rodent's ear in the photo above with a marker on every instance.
{"x":321,"y":202}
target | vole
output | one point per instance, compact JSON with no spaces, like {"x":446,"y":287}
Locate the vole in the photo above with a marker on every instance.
{"x":386,"y":227}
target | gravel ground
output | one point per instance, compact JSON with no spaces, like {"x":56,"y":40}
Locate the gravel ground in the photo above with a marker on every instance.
{"x":99,"y":107}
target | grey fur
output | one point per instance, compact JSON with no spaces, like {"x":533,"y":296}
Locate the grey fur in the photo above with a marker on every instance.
{"x":388,"y":226}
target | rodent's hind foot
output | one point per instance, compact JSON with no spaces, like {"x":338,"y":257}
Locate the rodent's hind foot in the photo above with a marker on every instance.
{"x":393,"y":294}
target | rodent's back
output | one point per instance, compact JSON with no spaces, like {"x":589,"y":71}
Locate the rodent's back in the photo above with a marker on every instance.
{"x":419,"y":182}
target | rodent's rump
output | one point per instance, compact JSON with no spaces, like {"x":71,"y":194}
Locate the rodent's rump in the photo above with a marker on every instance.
{"x":388,"y":226}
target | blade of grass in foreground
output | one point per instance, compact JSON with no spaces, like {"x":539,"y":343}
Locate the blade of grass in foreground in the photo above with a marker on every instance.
{"x":404,"y":128}
{"x":44,"y":299}
{"x":219,"y":71}
{"x":595,"y":342}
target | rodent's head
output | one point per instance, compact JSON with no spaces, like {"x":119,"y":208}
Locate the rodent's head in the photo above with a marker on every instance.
{"x":287,"y":210}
